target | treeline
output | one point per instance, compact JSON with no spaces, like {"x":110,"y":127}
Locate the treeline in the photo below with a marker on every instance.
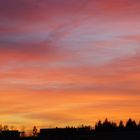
{"x":105,"y":125}
{"x":112,"y":126}
{"x":103,"y":130}
{"x":106,"y":130}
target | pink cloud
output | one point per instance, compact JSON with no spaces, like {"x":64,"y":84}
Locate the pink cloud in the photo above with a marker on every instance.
{"x":68,"y":55}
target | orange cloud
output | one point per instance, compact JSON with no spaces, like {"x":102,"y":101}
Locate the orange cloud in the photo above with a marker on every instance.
{"x":69,"y":62}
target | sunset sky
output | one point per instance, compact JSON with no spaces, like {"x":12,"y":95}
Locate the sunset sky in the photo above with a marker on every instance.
{"x":69,"y":62}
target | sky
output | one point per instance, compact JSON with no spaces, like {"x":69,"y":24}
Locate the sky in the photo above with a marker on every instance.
{"x":69,"y":62}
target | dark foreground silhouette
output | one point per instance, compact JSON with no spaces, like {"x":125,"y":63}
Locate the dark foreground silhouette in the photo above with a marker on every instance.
{"x":103,"y":131}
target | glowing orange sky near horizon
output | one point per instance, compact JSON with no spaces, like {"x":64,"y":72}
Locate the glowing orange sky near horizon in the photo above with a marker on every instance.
{"x":69,"y":62}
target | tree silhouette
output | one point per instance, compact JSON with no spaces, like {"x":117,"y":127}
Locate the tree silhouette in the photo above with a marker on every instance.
{"x":131,"y":124}
{"x":34,"y":131}
{"x":98,"y":126}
